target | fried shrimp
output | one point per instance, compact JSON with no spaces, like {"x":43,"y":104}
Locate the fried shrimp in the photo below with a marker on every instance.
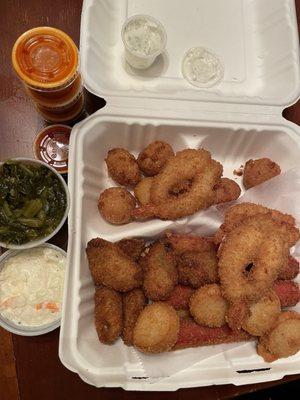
{"x":108,"y":314}
{"x":156,"y":329}
{"x":160,"y":274}
{"x":116,"y":205}
{"x":133,"y":304}
{"x":154,"y":157}
{"x":208,"y":307}
{"x":122,"y":167}
{"x":259,"y":171}
{"x":111,"y":267}
{"x":226,"y":190}
{"x":240,"y":212}
{"x":142,"y":191}
{"x":191,"y":165}
{"x":262,"y":314}
{"x":283,"y":340}
{"x":250,"y":258}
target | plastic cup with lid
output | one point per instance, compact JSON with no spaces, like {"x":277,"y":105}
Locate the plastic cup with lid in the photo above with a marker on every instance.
{"x":144,"y":39}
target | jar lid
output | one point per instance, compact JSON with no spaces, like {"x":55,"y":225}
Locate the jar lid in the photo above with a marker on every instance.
{"x":51,"y":145}
{"x":45,"y":57}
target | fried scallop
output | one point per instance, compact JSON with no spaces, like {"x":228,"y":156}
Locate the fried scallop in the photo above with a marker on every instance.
{"x":108,"y":314}
{"x":111,"y":267}
{"x":133,"y":304}
{"x":283,"y":340}
{"x":116,"y":205}
{"x":154,"y":157}
{"x":160,"y":273}
{"x":142,"y":191}
{"x":133,"y":248}
{"x":226,"y":190}
{"x":156,"y":329}
{"x":208,"y":307}
{"x":259,"y":171}
{"x":123,"y":167}
{"x":262,"y":314}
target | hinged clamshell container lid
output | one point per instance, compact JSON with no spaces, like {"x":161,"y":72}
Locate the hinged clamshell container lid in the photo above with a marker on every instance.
{"x":256,"y":40}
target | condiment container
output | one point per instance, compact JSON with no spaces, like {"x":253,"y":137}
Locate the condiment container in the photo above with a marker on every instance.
{"x":21,"y":329}
{"x":51,"y":145}
{"x":46,"y":60}
{"x":144,"y":39}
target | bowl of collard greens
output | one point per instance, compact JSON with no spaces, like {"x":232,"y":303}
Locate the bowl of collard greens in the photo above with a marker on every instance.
{"x":34,"y":203}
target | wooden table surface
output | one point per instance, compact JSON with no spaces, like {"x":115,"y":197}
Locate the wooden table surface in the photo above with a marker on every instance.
{"x":29,"y":367}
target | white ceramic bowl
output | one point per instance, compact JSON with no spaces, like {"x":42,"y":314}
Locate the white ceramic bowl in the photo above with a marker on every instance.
{"x":38,"y":242}
{"x":21,"y":329}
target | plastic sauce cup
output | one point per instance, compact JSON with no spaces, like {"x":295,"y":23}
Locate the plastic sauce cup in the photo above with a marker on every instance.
{"x":144,"y":39}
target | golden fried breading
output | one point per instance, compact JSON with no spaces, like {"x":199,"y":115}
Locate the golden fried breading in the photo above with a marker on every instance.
{"x":122,"y":167}
{"x":259,"y":171}
{"x":116,"y":205}
{"x":226,"y":190}
{"x":133,"y":248}
{"x":154,"y":157}
{"x":108,"y":314}
{"x":142,"y":190}
{"x":208,"y":307}
{"x":283,"y":340}
{"x":133,"y":304}
{"x":240,"y":212}
{"x":111,"y":267}
{"x":262,"y":314}
{"x":156,"y":329}
{"x":160,"y":274}
{"x":196,"y":258}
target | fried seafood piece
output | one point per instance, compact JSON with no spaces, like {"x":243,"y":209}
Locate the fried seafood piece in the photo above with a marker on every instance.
{"x":262,"y":314}
{"x":290,"y":270}
{"x":226,"y":190}
{"x":283,"y":340}
{"x":259,"y":171}
{"x":133,"y":304}
{"x":116,"y":205}
{"x":193,"y":335}
{"x":180,"y":297}
{"x":189,"y":165}
{"x":250,"y":259}
{"x":142,"y":191}
{"x":154,"y":157}
{"x":288,"y":293}
{"x":160,"y":273}
{"x":156,"y":329}
{"x":196,"y":259}
{"x":240,"y":212}
{"x":208,"y":307}
{"x":111,"y":267}
{"x":108,"y":314}
{"x":123,"y":167}
{"x":133,"y":248}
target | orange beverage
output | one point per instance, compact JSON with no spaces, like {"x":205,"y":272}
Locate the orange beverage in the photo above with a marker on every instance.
{"x":46,"y":60}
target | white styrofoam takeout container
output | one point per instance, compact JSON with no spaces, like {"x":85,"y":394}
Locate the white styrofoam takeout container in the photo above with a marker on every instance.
{"x":239,"y":119}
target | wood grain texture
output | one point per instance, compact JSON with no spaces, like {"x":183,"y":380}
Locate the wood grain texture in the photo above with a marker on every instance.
{"x":9,"y":389}
{"x":39,"y":371}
